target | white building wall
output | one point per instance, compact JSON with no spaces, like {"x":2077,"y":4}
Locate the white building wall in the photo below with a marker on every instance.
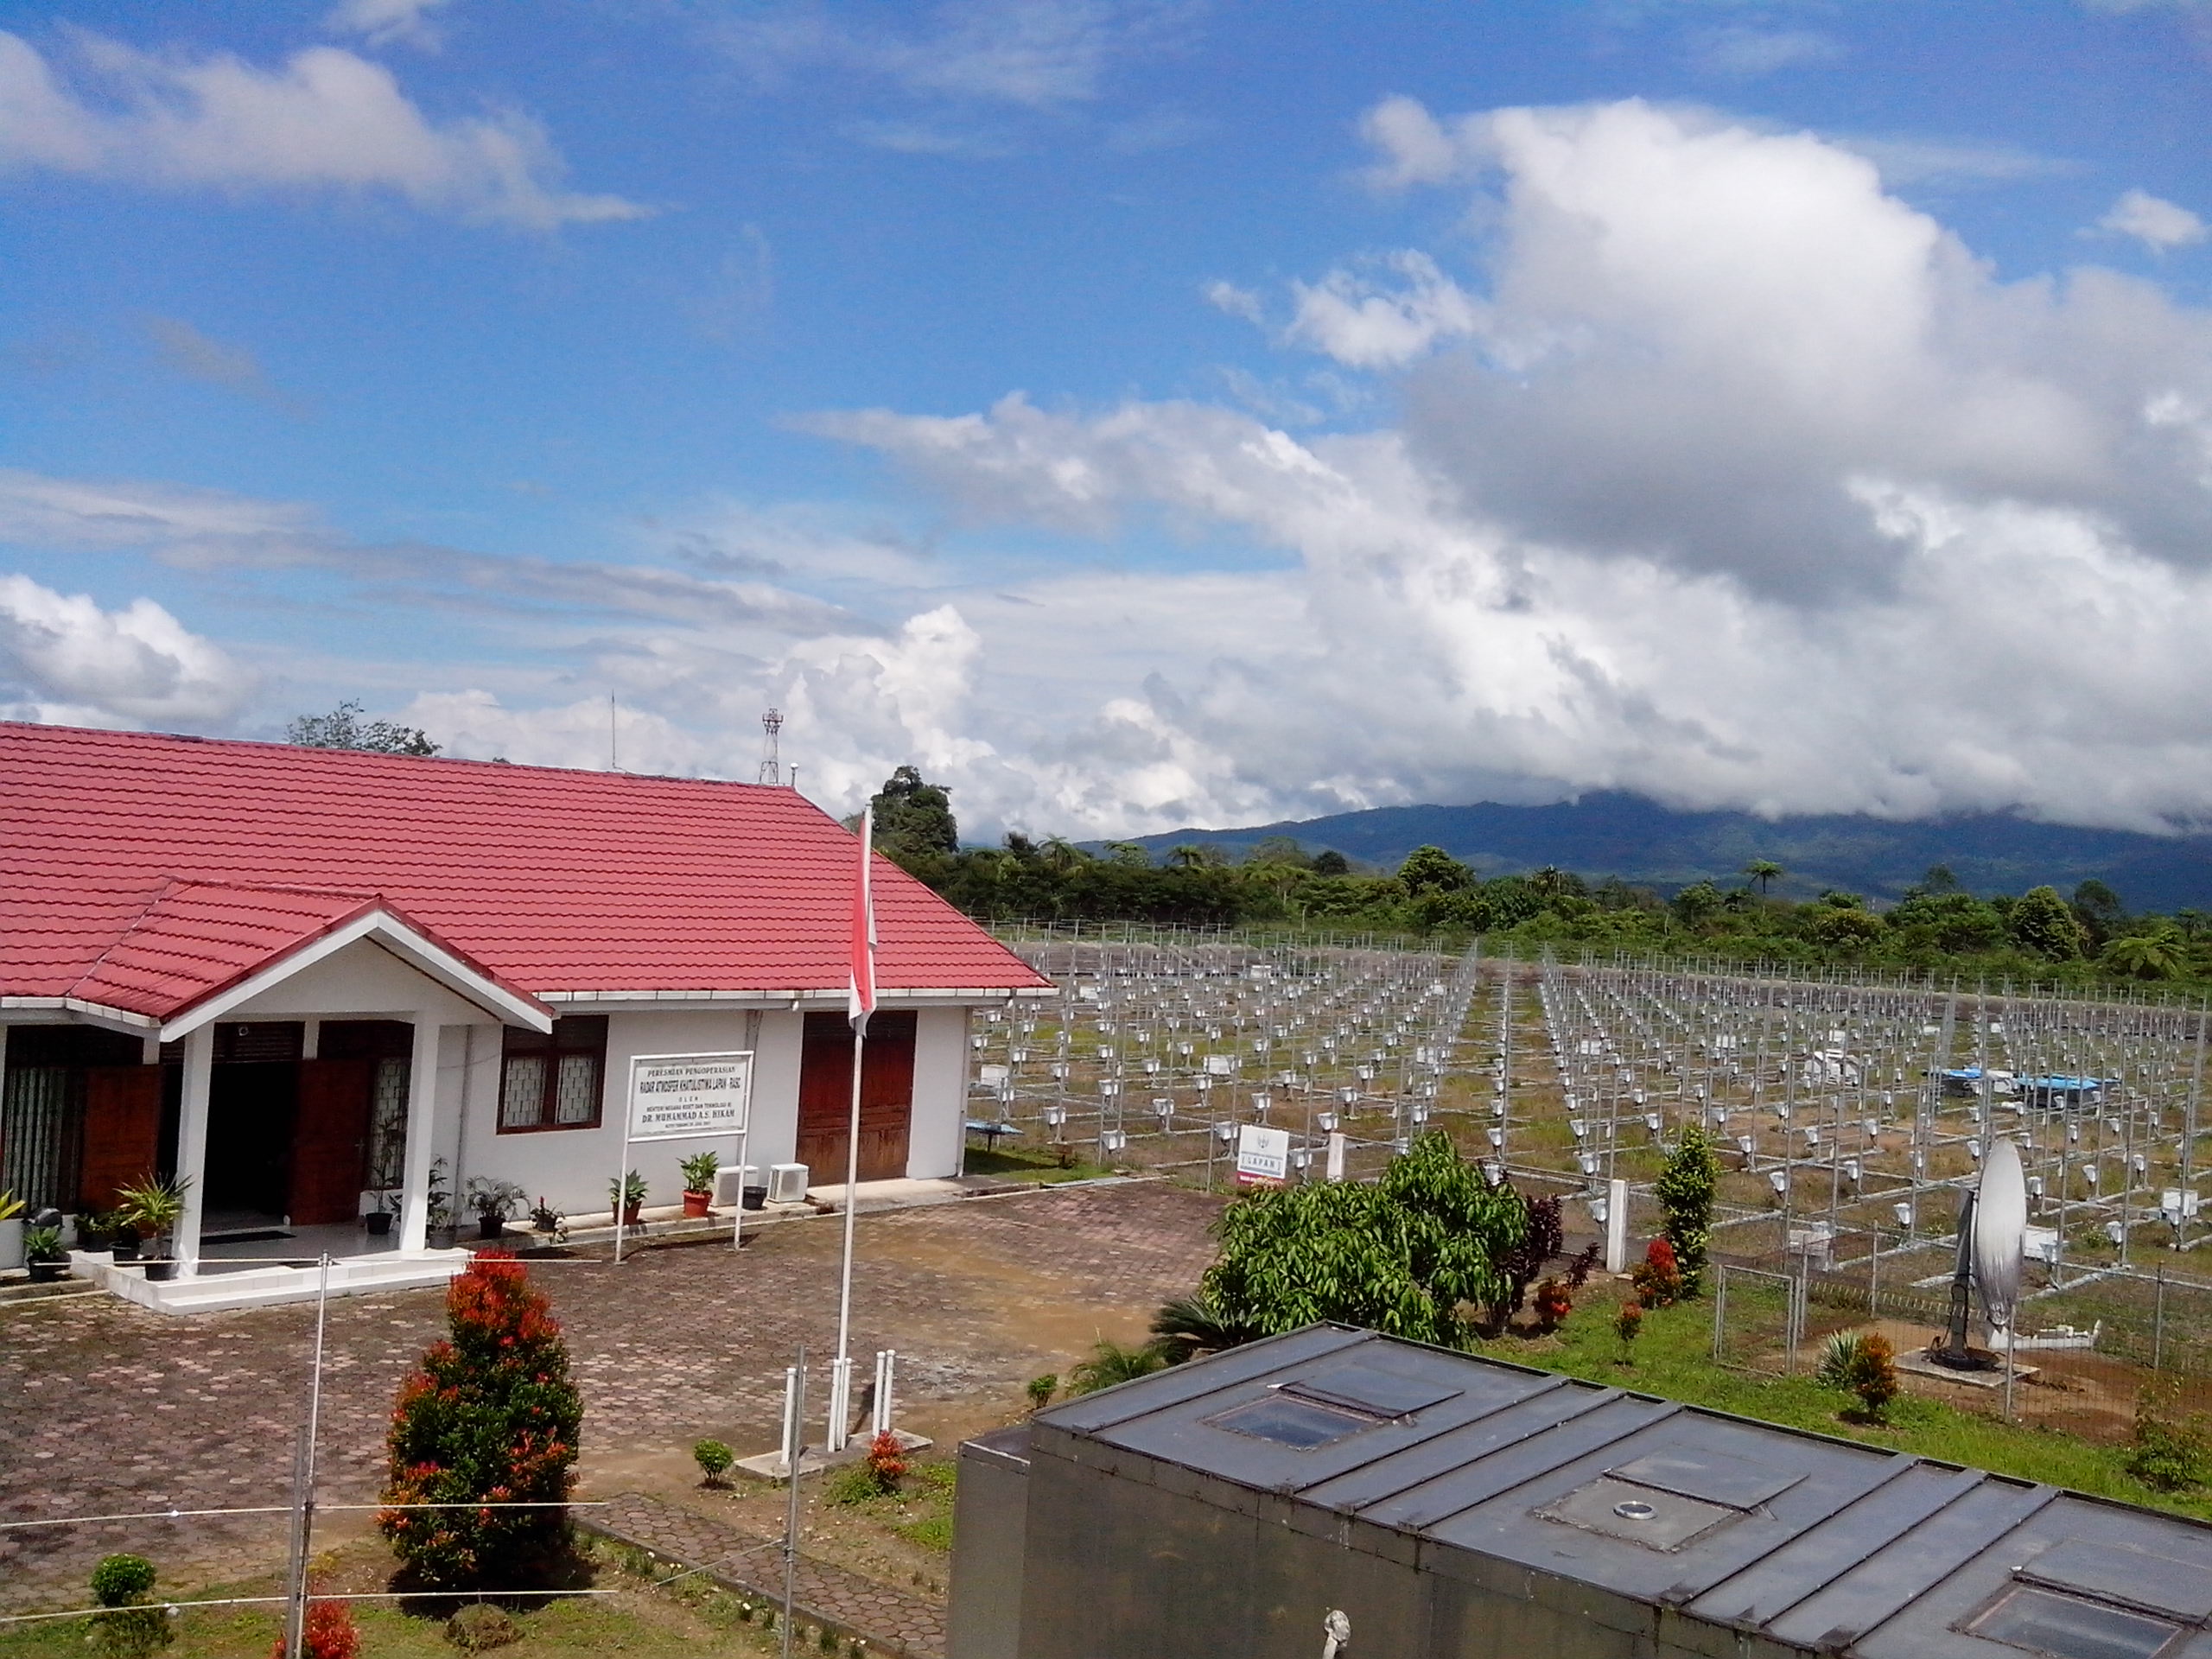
{"x":570,"y":1168}
{"x":939,"y":1130}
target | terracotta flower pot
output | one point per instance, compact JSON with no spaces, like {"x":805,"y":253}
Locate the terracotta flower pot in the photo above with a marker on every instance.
{"x":630,"y":1214}
{"x":697,"y":1204}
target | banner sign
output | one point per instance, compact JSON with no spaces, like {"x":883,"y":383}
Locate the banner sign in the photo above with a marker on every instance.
{"x":689,"y":1094}
{"x":1263,"y":1156}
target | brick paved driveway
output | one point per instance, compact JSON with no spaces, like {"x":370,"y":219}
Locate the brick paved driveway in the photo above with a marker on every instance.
{"x":105,"y":1407}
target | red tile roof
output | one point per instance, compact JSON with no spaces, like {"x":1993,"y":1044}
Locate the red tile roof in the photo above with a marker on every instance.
{"x":145,"y":871}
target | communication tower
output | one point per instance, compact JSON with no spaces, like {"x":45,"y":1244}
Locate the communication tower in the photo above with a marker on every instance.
{"x":772,"y":765}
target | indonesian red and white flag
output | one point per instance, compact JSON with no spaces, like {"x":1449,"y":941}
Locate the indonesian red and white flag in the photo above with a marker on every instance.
{"x":861,"y":1003}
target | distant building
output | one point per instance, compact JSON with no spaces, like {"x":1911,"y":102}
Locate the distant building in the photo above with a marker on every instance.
{"x":299,"y":978}
{"x":1335,"y":1493}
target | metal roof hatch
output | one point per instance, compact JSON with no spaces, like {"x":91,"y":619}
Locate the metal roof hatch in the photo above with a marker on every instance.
{"x":2084,"y":1600}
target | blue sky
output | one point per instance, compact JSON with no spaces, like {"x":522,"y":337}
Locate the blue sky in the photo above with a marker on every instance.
{"x":1136,"y":413}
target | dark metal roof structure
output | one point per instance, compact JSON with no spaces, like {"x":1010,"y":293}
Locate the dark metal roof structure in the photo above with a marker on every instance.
{"x":1707,"y":1530}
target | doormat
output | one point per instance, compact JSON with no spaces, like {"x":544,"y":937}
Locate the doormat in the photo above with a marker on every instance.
{"x":249,"y":1236}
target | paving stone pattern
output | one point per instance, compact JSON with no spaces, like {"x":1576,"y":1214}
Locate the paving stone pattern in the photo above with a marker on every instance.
{"x":106,"y":1407}
{"x":894,"y":1621}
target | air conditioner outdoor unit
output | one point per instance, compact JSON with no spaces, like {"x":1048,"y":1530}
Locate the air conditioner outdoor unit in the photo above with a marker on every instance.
{"x":787,"y":1183}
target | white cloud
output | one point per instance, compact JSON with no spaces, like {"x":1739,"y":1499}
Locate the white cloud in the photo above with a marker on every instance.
{"x":1763,"y":492}
{"x":1365,"y":325}
{"x":383,"y":22}
{"x":1029,"y":54}
{"x":1237,"y":301}
{"x":1906,"y":161}
{"x":2158,"y":223}
{"x":1744,"y":52}
{"x":185,"y":350}
{"x":63,"y":657}
{"x":326,"y":120}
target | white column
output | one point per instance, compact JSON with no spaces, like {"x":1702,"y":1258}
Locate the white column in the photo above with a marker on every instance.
{"x":191,"y":1144}
{"x":1615,"y":1226}
{"x":421,"y":1109}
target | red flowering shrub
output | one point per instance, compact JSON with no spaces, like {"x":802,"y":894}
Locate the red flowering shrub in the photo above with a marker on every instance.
{"x":1553,"y":1302}
{"x":490,"y":1418}
{"x":329,"y":1634}
{"x":1657,"y":1278}
{"x":886,"y":1461}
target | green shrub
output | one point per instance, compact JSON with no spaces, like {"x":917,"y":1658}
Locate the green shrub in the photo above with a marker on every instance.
{"x":1863,"y":1364}
{"x":1040,"y":1390}
{"x":2170,"y":1450}
{"x":853,"y":1484}
{"x":480,"y":1627}
{"x":1685,"y":1191}
{"x":132,"y":1630}
{"x":714,"y":1458}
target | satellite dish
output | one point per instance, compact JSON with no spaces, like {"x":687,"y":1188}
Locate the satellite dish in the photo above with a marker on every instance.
{"x":2001,"y":1222}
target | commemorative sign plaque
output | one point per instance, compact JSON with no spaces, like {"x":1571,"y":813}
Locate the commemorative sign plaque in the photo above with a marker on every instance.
{"x":687,"y":1096}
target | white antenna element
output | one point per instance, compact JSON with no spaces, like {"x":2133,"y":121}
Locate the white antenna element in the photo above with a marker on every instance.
{"x":613,"y":764}
{"x":771,"y":770}
{"x":2000,"y":1222}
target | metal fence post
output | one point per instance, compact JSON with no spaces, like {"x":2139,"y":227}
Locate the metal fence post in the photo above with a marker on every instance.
{"x":2158,"y":1321}
{"x":1719,"y":1312}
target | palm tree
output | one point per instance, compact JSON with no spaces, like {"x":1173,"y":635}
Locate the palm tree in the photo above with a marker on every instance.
{"x":2143,"y":956}
{"x":1764,"y":872}
{"x":1191,"y":1325}
{"x":1111,"y":1363}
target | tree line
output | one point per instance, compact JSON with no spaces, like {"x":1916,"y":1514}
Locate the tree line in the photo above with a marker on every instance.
{"x":1937,"y":925}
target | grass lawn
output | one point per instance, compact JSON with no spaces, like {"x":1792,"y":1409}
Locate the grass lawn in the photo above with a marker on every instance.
{"x":1039,"y":1164}
{"x":1673,"y":1359}
{"x":667,"y":1623}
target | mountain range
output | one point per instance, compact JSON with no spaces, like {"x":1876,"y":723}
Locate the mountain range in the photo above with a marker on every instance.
{"x":1612,"y":833}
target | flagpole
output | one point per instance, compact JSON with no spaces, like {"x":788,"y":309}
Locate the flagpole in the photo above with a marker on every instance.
{"x":862,"y":1003}
{"x":841,"y":1379}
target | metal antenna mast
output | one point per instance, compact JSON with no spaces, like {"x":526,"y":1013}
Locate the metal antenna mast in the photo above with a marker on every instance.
{"x":772,"y":766}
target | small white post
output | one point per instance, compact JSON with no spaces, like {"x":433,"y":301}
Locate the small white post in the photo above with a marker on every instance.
{"x":886,"y":1362}
{"x":840,"y":1398}
{"x":1615,"y":1226}
{"x":793,"y":1427}
{"x":622,"y":1168}
{"x":1335,"y":1154}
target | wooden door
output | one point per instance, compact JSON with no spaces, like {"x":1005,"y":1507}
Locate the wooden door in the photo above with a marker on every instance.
{"x":123,"y":1131}
{"x":330,"y":1141}
{"x":825,"y":1097}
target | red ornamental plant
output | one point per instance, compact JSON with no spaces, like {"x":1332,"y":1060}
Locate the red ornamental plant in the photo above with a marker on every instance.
{"x":1658,"y":1278}
{"x":1553,"y":1302}
{"x":886,"y":1461}
{"x":491,"y":1418}
{"x":329,"y":1633}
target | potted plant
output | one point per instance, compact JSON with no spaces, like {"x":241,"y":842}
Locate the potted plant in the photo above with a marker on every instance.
{"x":493,"y":1201}
{"x":544,"y":1218}
{"x":153,"y":1207}
{"x":442,"y":1234}
{"x":699,"y":1183}
{"x":384,"y":1207}
{"x":122,"y":1233}
{"x":625,"y":1196}
{"x":11,"y":1231}
{"x":43,"y":1255}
